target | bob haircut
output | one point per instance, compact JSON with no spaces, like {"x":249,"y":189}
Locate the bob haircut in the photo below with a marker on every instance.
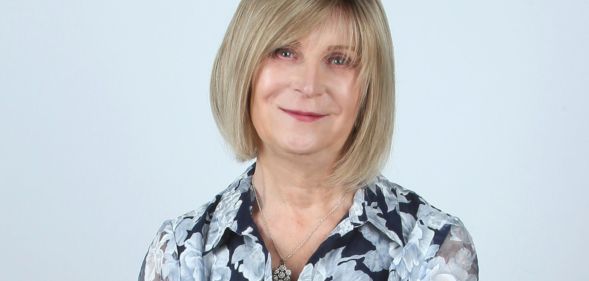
{"x":259,"y":27}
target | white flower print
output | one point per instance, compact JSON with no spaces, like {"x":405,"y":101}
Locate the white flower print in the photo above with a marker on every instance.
{"x":437,"y":269}
{"x":377,"y":260}
{"x":347,"y":271}
{"x":191,"y":258}
{"x":161,"y":261}
{"x":251,"y":255}
{"x":383,"y":234}
{"x":183,"y":226}
{"x":224,"y":217}
{"x":218,"y":259}
{"x":414,"y":253}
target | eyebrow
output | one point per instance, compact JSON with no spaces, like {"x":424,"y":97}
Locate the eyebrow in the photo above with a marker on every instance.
{"x":294,"y":44}
{"x":297,"y":44}
{"x":339,"y":47}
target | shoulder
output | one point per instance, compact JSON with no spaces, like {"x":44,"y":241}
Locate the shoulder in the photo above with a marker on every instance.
{"x":186,"y":237}
{"x":176,"y":231}
{"x":414,"y":212}
{"x":209,"y":218}
{"x":435,"y":243}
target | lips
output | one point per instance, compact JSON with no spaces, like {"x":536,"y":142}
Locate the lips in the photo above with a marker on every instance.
{"x":304,"y":115}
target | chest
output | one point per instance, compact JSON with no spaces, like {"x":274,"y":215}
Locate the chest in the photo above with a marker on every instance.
{"x":355,"y":256}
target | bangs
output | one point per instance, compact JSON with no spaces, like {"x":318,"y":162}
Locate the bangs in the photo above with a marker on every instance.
{"x":302,"y":19}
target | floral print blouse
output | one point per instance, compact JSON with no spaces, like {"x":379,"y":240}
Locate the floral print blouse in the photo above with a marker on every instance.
{"x":390,"y":233}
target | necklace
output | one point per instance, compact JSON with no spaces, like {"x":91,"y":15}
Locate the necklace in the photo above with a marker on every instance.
{"x":282,"y":272}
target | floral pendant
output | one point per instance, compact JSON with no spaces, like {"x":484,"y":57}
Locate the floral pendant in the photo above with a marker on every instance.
{"x":281,"y":273}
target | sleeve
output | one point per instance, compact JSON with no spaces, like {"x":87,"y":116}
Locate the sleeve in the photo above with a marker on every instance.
{"x":161,"y":261}
{"x":456,"y":258}
{"x":439,"y":249}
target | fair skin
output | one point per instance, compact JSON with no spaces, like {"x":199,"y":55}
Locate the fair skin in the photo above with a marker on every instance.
{"x":296,"y":155}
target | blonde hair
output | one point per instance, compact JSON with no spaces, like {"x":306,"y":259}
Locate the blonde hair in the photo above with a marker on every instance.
{"x":260,"y":26}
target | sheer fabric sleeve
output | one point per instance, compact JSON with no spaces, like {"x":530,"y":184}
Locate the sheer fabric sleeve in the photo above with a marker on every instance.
{"x":456,"y":259}
{"x":439,"y":249}
{"x":161,"y":261}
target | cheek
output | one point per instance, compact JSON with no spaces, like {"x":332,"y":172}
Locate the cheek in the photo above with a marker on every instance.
{"x":269,"y":79}
{"x":266,"y":87}
{"x":347,"y":94}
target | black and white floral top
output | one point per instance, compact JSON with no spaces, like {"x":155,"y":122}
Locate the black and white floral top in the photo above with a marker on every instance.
{"x":390,"y":233}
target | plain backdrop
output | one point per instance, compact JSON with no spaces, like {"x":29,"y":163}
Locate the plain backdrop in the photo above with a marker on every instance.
{"x":106,"y":130}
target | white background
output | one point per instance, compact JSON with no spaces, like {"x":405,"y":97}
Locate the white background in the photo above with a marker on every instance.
{"x":106,"y":130}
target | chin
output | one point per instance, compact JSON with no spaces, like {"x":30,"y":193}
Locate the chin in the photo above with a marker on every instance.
{"x":301,"y":146}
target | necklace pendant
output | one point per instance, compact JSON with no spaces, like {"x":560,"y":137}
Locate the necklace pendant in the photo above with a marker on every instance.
{"x":281,"y":273}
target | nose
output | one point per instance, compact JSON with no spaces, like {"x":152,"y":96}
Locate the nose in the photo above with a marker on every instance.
{"x":308,"y":79}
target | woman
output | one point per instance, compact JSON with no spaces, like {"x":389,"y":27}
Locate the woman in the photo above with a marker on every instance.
{"x":306,"y":88}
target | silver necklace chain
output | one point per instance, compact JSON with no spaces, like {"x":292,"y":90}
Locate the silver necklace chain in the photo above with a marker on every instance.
{"x":307,"y":238}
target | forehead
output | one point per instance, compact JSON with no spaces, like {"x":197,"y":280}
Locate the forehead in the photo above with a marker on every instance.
{"x":334,"y":29}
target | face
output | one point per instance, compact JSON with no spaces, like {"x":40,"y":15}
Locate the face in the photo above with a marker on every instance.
{"x":306,"y":94}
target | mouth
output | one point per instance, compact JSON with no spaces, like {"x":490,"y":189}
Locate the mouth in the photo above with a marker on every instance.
{"x":304,"y":115}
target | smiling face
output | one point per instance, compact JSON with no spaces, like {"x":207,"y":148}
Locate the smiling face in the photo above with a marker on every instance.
{"x":306,"y":95}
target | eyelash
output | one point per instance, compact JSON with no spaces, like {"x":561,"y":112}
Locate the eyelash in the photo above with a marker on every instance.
{"x":280,"y":53}
{"x":346,"y":60}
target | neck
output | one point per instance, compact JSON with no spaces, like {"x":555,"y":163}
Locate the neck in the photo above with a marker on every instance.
{"x":295,"y":182}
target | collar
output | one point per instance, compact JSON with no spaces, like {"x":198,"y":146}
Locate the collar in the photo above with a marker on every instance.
{"x":375,"y":203}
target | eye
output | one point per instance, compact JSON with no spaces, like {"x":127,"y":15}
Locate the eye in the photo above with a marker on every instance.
{"x":284,"y":53}
{"x":339,"y":59}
